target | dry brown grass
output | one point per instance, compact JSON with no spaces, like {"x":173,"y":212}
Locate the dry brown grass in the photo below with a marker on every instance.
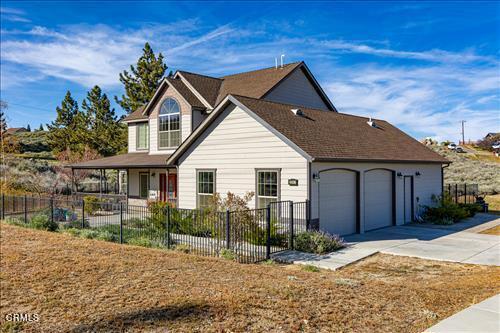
{"x":492,"y":231}
{"x":82,"y":285}
{"x":493,"y":203}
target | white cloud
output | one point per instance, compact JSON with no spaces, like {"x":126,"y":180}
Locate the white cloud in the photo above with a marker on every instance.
{"x":13,"y":15}
{"x":430,"y":101}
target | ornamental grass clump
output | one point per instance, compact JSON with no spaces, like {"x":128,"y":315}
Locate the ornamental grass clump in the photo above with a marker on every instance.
{"x":43,"y":222}
{"x":318,"y":242}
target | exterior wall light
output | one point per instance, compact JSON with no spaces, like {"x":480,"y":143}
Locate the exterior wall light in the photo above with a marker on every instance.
{"x":418,"y":174}
{"x":316,"y":177}
{"x":399,"y":174}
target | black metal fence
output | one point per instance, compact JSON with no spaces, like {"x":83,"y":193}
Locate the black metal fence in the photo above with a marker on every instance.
{"x":246,"y":235}
{"x":462,"y":193}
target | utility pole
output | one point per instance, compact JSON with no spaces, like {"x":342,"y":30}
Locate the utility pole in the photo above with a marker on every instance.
{"x":463,"y":133}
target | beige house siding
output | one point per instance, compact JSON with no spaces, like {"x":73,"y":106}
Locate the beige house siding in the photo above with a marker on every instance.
{"x":425,"y":185}
{"x":296,"y":89}
{"x":236,"y":145}
{"x":153,"y":120}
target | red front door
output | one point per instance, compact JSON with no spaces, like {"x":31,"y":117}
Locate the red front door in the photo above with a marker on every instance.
{"x":172,"y":186}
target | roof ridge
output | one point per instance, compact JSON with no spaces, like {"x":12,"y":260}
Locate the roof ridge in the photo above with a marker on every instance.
{"x":210,"y":77}
{"x":260,"y":69}
{"x":305,"y":107}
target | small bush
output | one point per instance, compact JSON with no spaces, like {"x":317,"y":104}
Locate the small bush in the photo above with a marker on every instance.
{"x":445,"y":211}
{"x":182,"y":248}
{"x":471,"y":209}
{"x":73,"y":232}
{"x":89,"y":234}
{"x":92,"y":204}
{"x":228,"y":254}
{"x":141,"y":241}
{"x":15,"y":221}
{"x":107,"y":236}
{"x":318,"y":242}
{"x":310,"y":268}
{"x":43,"y":222}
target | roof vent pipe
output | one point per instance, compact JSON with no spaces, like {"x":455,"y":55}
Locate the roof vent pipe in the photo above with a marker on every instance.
{"x":282,"y":57}
{"x":276,"y":62}
{"x":297,"y":112}
{"x":371,"y":122}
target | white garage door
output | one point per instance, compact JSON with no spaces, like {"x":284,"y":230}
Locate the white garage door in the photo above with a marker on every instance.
{"x":337,"y":202}
{"x":377,"y":199}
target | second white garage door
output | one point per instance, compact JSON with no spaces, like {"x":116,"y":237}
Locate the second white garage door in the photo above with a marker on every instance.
{"x":377,"y":199}
{"x":338,"y":202}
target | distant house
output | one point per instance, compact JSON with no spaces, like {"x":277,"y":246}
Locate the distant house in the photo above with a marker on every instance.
{"x":491,"y":135}
{"x":15,"y":130}
{"x":273,"y":132}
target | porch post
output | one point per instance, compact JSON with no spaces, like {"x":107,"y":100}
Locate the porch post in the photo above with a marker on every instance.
{"x":72,"y":181}
{"x":100,"y":183}
{"x":128,"y":184}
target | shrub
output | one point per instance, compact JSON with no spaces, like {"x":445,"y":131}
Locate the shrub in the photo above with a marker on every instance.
{"x":76,"y":224}
{"x":471,"y":209}
{"x":107,"y":236}
{"x":310,"y":268}
{"x":445,"y":210}
{"x":228,"y":254}
{"x":92,"y":204}
{"x":15,"y":221}
{"x":73,"y":232}
{"x":43,"y":222}
{"x":141,"y":241}
{"x":318,"y":242}
{"x":158,"y":211}
{"x":89,"y":234}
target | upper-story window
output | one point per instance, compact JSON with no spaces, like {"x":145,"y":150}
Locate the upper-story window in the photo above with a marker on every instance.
{"x":142,"y":136}
{"x":169,"y":129}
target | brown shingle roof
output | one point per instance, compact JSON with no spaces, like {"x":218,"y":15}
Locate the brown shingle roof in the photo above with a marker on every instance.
{"x":206,"y":86}
{"x":130,"y":160}
{"x":136,"y":115}
{"x":14,"y":130}
{"x":255,"y":83}
{"x":334,"y":136}
{"x":185,"y":92}
{"x":252,"y":84}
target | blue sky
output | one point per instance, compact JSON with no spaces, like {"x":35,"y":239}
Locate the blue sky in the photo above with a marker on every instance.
{"x":423,"y":66}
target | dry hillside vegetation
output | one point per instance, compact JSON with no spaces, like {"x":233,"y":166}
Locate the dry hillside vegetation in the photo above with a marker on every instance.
{"x":473,"y":167}
{"x":80,"y":285}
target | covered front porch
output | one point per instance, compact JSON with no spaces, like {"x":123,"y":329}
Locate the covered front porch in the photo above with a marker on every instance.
{"x":140,"y":177}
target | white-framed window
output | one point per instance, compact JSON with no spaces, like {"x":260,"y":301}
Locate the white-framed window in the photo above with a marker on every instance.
{"x":205,"y":187}
{"x":142,"y":136}
{"x":268,"y":187}
{"x":169,"y":124}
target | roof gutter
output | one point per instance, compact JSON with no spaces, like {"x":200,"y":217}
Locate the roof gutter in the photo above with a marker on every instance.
{"x":367,"y":160}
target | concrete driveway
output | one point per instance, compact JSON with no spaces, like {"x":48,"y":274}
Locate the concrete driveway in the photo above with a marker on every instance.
{"x":460,"y":242}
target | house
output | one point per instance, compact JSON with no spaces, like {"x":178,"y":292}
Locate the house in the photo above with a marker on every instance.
{"x":274,"y":132}
{"x":15,"y":130}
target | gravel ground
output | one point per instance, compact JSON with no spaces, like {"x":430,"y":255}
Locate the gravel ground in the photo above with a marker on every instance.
{"x":78,"y":285}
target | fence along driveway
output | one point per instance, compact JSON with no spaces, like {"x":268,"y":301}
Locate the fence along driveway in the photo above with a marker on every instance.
{"x":248,"y":235}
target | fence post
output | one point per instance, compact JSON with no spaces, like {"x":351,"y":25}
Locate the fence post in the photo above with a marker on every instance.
{"x":121,"y":223}
{"x":456,"y":193}
{"x":465,"y":190}
{"x":268,"y":232}
{"x":291,"y":231}
{"x":228,"y":229}
{"x":168,"y":227}
{"x":3,"y":206}
{"x":308,"y":214}
{"x":52,"y":209}
{"x":83,"y":214}
{"x":25,"y":209}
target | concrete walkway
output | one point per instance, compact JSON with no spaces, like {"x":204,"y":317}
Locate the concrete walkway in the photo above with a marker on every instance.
{"x":456,"y":243}
{"x":482,"y":317}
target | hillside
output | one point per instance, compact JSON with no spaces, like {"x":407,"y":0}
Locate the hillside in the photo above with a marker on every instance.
{"x":473,"y":167}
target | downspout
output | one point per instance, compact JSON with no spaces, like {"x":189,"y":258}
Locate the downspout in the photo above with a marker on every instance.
{"x":442,"y":178}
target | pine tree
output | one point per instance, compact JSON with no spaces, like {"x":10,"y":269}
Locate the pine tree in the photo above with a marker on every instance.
{"x":105,"y":132}
{"x":3,"y":121}
{"x":28,"y":128}
{"x":142,"y":82}
{"x":40,"y":128}
{"x":69,"y":130}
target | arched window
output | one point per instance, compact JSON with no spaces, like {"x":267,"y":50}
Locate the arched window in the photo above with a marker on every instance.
{"x":169,"y":130}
